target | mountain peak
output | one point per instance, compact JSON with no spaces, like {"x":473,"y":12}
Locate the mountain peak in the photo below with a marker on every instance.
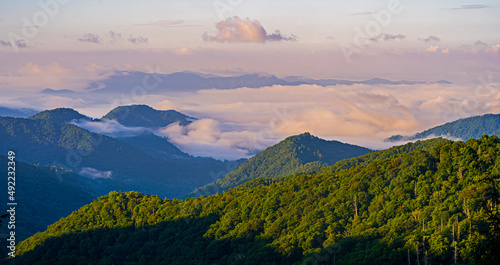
{"x":146,"y":116}
{"x":59,"y":115}
{"x":295,"y":154}
{"x":467,"y":128}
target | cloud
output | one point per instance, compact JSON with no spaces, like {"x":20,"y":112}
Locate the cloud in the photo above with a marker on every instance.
{"x":445,"y":51}
{"x":364,"y":13}
{"x":388,"y":37}
{"x":110,"y":128}
{"x":90,"y":38}
{"x":182,"y":51}
{"x":432,"y":48}
{"x":138,"y":40}
{"x":432,"y":39}
{"x":93,"y":173}
{"x":360,"y":114}
{"x":493,"y":49}
{"x":164,"y":23}
{"x":470,"y":7}
{"x":115,"y":36}
{"x":207,"y":137}
{"x":20,"y":43}
{"x":237,"y":30}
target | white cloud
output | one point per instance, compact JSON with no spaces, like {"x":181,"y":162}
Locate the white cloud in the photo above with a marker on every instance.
{"x":207,"y":137}
{"x":360,"y":114}
{"x":110,"y":128}
{"x":93,"y":173}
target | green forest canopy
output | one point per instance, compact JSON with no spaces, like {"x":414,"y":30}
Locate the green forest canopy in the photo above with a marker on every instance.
{"x":432,"y":205}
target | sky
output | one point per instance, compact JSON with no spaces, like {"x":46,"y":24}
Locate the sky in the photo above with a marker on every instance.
{"x":69,"y":44}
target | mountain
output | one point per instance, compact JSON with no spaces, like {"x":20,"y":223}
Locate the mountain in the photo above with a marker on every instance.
{"x":60,"y":92}
{"x":43,"y":197}
{"x":433,"y":206}
{"x":16,"y":113}
{"x":157,"y":83}
{"x":464,"y":129}
{"x":373,"y":81}
{"x":59,"y":115}
{"x":293,"y":155}
{"x":145,"y":116}
{"x":146,"y":141}
{"x":185,"y":82}
{"x":346,"y":164}
{"x":110,"y":163}
{"x":155,"y":146}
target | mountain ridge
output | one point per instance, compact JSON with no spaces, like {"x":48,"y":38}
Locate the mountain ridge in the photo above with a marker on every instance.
{"x":466,"y":128}
{"x":294,"y":154}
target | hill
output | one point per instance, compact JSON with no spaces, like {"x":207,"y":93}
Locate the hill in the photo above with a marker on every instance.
{"x":16,"y":113}
{"x":43,"y":197}
{"x":155,"y":146}
{"x":473,"y":127}
{"x":145,"y":116}
{"x":59,"y":115}
{"x":108,"y":162}
{"x":295,"y":154}
{"x":147,"y":141}
{"x":428,"y":206}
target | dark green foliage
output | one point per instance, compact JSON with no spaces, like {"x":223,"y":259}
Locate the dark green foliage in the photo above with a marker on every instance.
{"x":425,"y":204}
{"x":295,"y":154}
{"x":145,"y":116}
{"x":155,"y":146}
{"x":43,"y":197}
{"x":473,"y":127}
{"x":73,"y":148}
{"x":60,"y":115}
{"x":488,"y":245}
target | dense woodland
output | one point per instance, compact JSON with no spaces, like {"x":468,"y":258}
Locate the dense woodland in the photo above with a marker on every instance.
{"x":44,"y":195}
{"x":295,"y":154}
{"x":145,"y":116}
{"x":432,"y":205}
{"x":42,"y":140}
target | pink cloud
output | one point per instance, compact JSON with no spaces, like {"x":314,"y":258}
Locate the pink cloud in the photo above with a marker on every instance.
{"x":432,"y":48}
{"x":237,"y":30}
{"x":493,"y":49}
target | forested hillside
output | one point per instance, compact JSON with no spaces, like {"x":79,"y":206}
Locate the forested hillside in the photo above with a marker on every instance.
{"x":295,"y":154}
{"x":473,"y":127}
{"x":429,"y":206}
{"x":42,"y":195}
{"x":145,"y":116}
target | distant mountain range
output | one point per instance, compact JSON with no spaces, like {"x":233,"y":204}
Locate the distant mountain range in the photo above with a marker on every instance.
{"x":473,"y":127}
{"x":16,"y":113}
{"x":188,"y":82}
{"x":295,"y":154}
